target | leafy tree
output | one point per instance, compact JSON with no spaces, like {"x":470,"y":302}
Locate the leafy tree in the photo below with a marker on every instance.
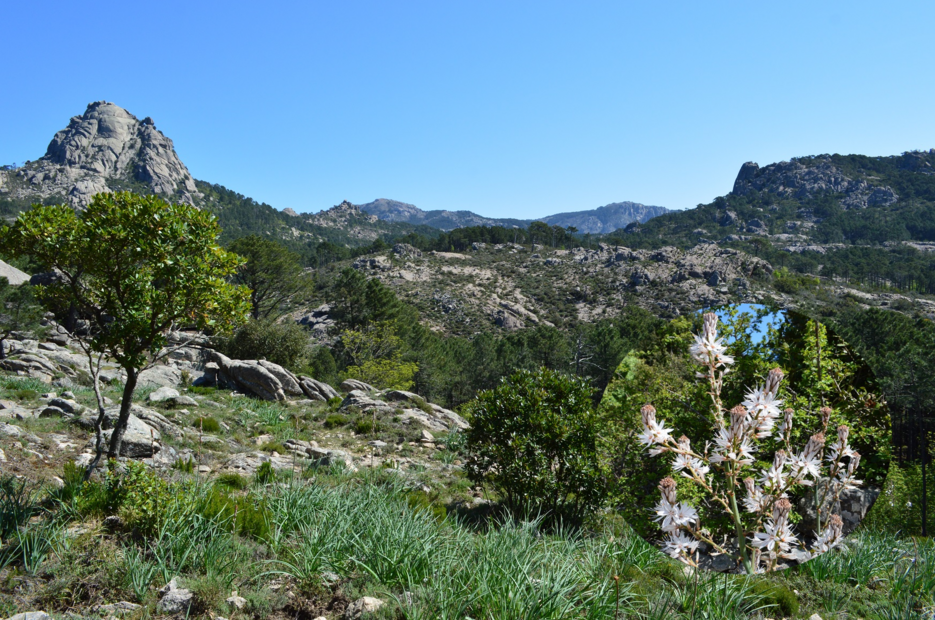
{"x":376,"y":357}
{"x":536,"y":439}
{"x":286,"y":343}
{"x":18,"y":310}
{"x":135,"y":267}
{"x":273,"y":274}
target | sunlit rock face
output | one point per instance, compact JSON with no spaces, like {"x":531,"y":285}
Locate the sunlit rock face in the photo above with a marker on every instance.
{"x":105,"y":149}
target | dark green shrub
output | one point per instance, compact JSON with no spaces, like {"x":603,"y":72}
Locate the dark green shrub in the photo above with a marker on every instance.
{"x":186,"y":467}
{"x":265,"y":473}
{"x":286,"y":344}
{"x":25,"y":394}
{"x":202,"y":390}
{"x":207,"y":425}
{"x":418,"y":500}
{"x":273,"y":446}
{"x":232,"y":480}
{"x":334,"y":403}
{"x":778,"y":596}
{"x":336,"y":419}
{"x":521,"y":429}
{"x":17,"y":504}
{"x":365,"y":426}
{"x":247,"y":516}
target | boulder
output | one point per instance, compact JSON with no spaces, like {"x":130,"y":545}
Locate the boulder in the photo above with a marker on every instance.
{"x":12,"y":274}
{"x":175,"y":600}
{"x":139,"y":439}
{"x":317,"y":390}
{"x":349,"y":385}
{"x":365,"y":605}
{"x":248,"y":376}
{"x":290,"y":383}
{"x":162,"y":394}
{"x":166,"y":376}
{"x":31,"y":615}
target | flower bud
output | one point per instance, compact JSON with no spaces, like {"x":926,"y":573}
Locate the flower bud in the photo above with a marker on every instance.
{"x":781,"y":511}
{"x":710,"y":326}
{"x":825,"y":416}
{"x":773,"y":380}
{"x":668,"y":488}
{"x":843,"y":432}
{"x":649,"y":416}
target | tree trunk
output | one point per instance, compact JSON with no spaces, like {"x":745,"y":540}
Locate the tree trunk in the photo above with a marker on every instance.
{"x":121,"y":426}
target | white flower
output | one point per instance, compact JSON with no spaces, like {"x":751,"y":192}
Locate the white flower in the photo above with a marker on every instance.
{"x":776,"y":538}
{"x":673,"y":516}
{"x":678,"y":544}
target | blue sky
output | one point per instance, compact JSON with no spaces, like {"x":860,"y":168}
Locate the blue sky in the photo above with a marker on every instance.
{"x":516,"y":109}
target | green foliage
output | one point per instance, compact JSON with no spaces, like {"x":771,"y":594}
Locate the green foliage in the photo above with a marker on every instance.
{"x":265,"y":473}
{"x":232,"y":480}
{"x":273,"y":446}
{"x":285,"y":343}
{"x":366,"y":426}
{"x":19,"y":310}
{"x":334,"y":420}
{"x":247,"y":516}
{"x":778,"y":596}
{"x":273,"y":274}
{"x":138,"y":495}
{"x":536,"y":439}
{"x":786,"y":281}
{"x":207,"y":425}
{"x":135,"y":267}
{"x":186,"y":467}
{"x":17,"y":504}
{"x":419,"y":500}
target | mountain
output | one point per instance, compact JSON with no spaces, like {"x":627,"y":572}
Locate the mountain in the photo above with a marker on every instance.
{"x":601,"y":220}
{"x":606,"y":219}
{"x":105,"y":149}
{"x":395,"y":211}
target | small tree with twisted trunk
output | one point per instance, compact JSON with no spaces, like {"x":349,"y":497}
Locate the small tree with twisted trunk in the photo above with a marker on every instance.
{"x":135,"y":268}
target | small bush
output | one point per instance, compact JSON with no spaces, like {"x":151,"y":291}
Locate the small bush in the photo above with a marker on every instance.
{"x":334,"y":403}
{"x":366,"y":426}
{"x":421,"y":403}
{"x":335,"y":420}
{"x":208,"y":425}
{"x":202,"y":390}
{"x":232,"y":480}
{"x":186,"y":467}
{"x":418,"y":500}
{"x":273,"y":446}
{"x":247,"y":516}
{"x":522,"y":428}
{"x":286,"y":344}
{"x":25,"y":394}
{"x":778,"y":596}
{"x":265,"y":473}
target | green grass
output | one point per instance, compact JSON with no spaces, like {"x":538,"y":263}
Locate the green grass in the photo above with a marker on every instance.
{"x":383,"y":538}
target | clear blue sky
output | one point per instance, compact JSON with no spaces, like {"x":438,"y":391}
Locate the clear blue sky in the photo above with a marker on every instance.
{"x":505,"y":108}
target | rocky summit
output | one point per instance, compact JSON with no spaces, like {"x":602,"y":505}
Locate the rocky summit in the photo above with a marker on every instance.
{"x":105,"y":149}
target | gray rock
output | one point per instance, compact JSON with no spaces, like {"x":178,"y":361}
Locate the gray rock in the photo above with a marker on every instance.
{"x":365,"y":605}
{"x":248,"y":376}
{"x":326,"y":458}
{"x":67,"y":405}
{"x":349,"y":385}
{"x":12,"y":274}
{"x":165,"y":376}
{"x":52,"y":412}
{"x":183,"y":401}
{"x":237,"y":602}
{"x":289,"y":382}
{"x":140,"y":440}
{"x":162,"y":394}
{"x":31,"y":615}
{"x":104,"y":145}
{"x":174,"y":600}
{"x":317,"y":390}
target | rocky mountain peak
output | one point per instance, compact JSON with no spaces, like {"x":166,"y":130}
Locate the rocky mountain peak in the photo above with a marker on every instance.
{"x":105,"y":149}
{"x":800,"y":181}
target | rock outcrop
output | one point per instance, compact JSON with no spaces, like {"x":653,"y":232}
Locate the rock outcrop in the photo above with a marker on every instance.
{"x":793,"y":179}
{"x":100,"y":151}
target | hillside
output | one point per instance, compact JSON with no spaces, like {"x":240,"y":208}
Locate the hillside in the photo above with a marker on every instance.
{"x":849,"y":218}
{"x":596,"y":221}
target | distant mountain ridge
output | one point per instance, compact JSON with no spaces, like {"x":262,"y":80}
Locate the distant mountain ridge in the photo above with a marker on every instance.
{"x":601,"y":220}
